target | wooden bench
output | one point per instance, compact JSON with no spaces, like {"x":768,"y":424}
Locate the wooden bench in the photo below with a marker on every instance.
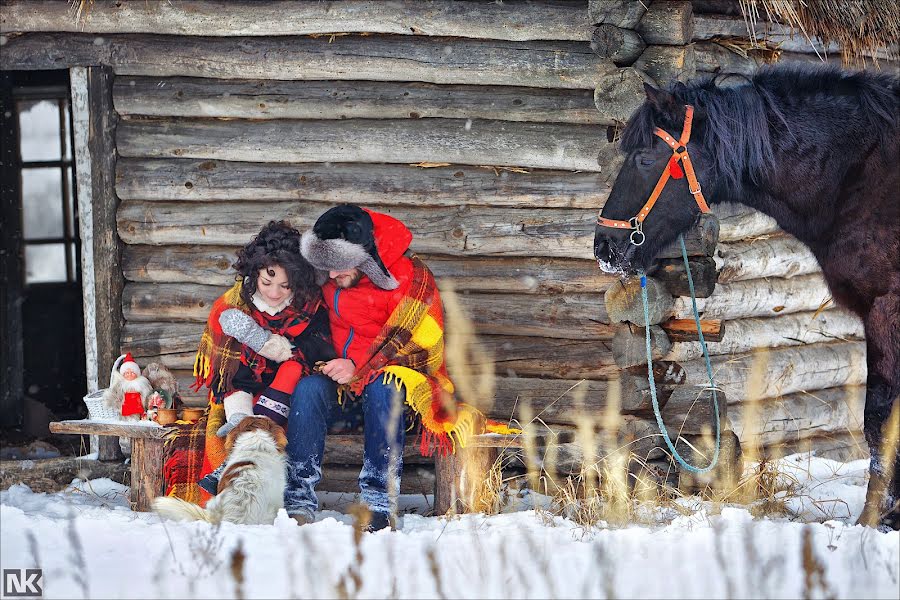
{"x":458,"y":479}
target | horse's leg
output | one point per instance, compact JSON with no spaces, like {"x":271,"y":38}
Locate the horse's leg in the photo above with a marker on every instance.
{"x":882,"y":413}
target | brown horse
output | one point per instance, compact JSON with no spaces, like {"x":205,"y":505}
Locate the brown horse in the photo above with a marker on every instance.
{"x":817,"y":149}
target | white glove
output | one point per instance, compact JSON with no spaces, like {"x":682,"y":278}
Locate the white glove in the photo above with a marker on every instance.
{"x":277,"y":348}
{"x":243,"y":328}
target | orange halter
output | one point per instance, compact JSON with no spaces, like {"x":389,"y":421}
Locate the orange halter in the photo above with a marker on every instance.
{"x":679,"y":150}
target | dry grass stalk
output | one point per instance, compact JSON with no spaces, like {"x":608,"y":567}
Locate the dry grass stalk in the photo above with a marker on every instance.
{"x":236,"y":569}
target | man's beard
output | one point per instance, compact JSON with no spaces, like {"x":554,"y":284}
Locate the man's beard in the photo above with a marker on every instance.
{"x":348,"y":281}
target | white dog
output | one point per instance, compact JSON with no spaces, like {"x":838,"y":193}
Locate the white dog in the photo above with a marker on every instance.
{"x":251,"y":489}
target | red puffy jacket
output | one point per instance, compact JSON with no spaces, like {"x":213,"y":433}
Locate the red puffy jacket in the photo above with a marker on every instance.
{"x":359,"y":313}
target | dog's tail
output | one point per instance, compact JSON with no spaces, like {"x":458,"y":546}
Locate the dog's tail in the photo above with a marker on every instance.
{"x":181,"y":510}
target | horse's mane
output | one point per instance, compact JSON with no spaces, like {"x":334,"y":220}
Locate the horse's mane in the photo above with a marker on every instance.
{"x":740,"y":119}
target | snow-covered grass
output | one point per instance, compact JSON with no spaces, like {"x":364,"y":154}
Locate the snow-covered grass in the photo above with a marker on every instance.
{"x":90,"y":544}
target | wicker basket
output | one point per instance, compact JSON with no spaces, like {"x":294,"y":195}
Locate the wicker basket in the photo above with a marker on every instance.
{"x":94,"y":401}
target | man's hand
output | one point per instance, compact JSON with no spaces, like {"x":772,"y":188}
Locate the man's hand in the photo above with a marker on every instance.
{"x":341,"y":370}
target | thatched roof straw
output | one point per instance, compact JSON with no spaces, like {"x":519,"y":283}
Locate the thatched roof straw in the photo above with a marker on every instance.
{"x":859,"y":27}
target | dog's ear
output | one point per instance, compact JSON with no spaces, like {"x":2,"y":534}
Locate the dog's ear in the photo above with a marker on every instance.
{"x":281,"y":440}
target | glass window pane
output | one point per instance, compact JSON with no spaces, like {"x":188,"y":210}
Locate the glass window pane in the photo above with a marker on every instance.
{"x":42,"y":203}
{"x":45,"y":262}
{"x":39,"y":128}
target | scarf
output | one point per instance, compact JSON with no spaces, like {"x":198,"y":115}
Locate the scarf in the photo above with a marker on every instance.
{"x":409,"y":352}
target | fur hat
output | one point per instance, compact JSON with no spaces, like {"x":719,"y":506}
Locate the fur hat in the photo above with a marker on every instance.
{"x":344,"y":238}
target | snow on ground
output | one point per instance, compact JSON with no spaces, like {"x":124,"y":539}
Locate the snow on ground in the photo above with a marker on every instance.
{"x":90,"y":544}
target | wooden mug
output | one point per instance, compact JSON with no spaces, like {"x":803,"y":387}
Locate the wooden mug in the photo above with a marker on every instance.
{"x":191,"y":414}
{"x":166,"y":416}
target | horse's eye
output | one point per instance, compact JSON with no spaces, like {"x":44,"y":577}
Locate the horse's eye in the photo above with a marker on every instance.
{"x":646,"y":160}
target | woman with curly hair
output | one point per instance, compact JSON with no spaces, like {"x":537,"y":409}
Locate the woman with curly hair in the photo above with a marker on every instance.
{"x":262,"y":336}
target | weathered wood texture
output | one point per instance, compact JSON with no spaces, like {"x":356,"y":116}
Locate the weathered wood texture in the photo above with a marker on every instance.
{"x":503,"y":21}
{"x":621,"y":13}
{"x":575,"y":316}
{"x":666,"y":64}
{"x":783,"y":370}
{"x":211,"y":265}
{"x":545,"y":64}
{"x":669,"y":23}
{"x":404,"y":141}
{"x":759,"y":298}
{"x":738,"y":222}
{"x":842,"y":446}
{"x":124,"y":429}
{"x":618,"y":94}
{"x":628,"y":345}
{"x":743,"y":335}
{"x":50,"y":475}
{"x":800,"y":416}
{"x":672,"y":274}
{"x":622,"y":46}
{"x":685,"y":330}
{"x":777,"y":256}
{"x":624,"y":302}
{"x":365,"y":184}
{"x":276,"y":99}
{"x":715,"y":57}
{"x":708,"y":26}
{"x":462,"y":480}
{"x":174,"y":345}
{"x":146,"y":472}
{"x":454,"y":231}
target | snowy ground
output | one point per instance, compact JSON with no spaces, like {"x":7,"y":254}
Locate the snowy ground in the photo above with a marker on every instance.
{"x":90,"y":544}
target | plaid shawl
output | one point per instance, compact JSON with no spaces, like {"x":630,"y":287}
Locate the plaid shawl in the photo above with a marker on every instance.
{"x":409,"y":351}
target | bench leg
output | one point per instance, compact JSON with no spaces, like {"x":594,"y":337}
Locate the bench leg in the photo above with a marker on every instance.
{"x":146,"y":472}
{"x":460,"y":480}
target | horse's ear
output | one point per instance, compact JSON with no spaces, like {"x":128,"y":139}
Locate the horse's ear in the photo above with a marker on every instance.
{"x":659,"y":99}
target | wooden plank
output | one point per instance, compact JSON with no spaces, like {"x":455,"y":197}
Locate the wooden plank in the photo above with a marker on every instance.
{"x":501,"y":21}
{"x":777,"y":256}
{"x":685,"y":330}
{"x":458,"y":231}
{"x":364,"y":184}
{"x":404,"y":141}
{"x":579,"y":316}
{"x":800,"y":416}
{"x":212,"y":265}
{"x":545,"y":64}
{"x":669,"y":23}
{"x":125,"y":428}
{"x":278,"y":99}
{"x":744,"y":335}
{"x":758,"y":298}
{"x":781,"y":371}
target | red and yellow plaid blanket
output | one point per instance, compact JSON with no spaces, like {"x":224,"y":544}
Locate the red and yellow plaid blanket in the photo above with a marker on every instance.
{"x":409,"y":352}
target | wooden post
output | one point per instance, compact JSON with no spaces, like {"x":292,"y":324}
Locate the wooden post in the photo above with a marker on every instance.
{"x":146,"y":472}
{"x":460,"y":479}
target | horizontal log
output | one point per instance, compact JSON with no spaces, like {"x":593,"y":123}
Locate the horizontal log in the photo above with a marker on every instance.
{"x":343,"y":449}
{"x":278,"y":99}
{"x":785,"y":38}
{"x":417,"y":479}
{"x":211,"y":265}
{"x":666,"y":64}
{"x":800,"y":416}
{"x":685,"y":330}
{"x":745,"y":335}
{"x":146,"y":430}
{"x":175,"y":344}
{"x":622,"y":46}
{"x":738,"y":222}
{"x":686,"y":410}
{"x":364,"y":184}
{"x":469,"y":142}
{"x":620,"y":13}
{"x":778,"y":256}
{"x":715,"y":57}
{"x":452,"y":231}
{"x":842,"y":446}
{"x":783,"y":370}
{"x":668,"y":23}
{"x":758,"y":298}
{"x":545,"y":64}
{"x":575,"y":316}
{"x":672,"y":274}
{"x":543,"y":21}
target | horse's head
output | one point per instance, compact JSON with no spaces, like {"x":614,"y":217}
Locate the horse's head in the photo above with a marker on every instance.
{"x":627,"y":236}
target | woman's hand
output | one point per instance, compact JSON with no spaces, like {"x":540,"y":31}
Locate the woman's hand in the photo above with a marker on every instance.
{"x":341,"y":370}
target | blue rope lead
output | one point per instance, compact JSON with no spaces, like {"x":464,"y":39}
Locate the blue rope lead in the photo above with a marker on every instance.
{"x":712,"y":384}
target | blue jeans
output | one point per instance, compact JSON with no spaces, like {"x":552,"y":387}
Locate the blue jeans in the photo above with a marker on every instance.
{"x":314,"y":409}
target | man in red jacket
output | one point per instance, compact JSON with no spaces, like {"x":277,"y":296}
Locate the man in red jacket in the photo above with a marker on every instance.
{"x":368,"y":276}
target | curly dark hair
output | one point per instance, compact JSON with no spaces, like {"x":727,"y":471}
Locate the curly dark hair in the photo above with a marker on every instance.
{"x":277,"y":243}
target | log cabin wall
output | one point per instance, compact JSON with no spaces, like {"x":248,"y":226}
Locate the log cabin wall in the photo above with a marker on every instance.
{"x":472,"y":122}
